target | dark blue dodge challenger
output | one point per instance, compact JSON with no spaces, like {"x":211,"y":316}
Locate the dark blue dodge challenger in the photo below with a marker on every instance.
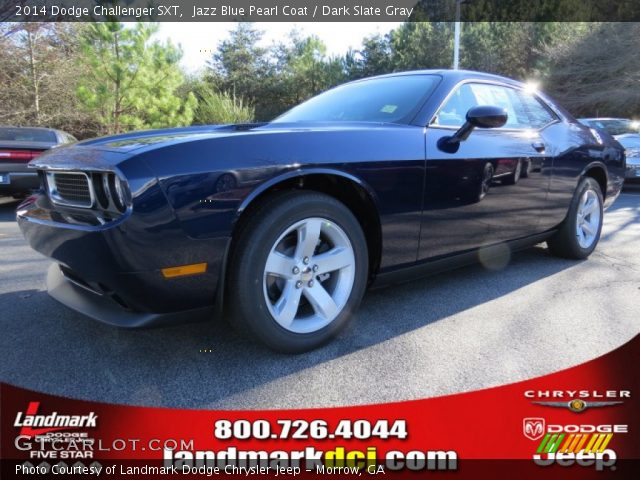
{"x":285,"y":224}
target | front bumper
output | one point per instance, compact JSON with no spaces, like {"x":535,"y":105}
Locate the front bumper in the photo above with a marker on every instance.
{"x":102,"y":307}
{"x":113,"y":271}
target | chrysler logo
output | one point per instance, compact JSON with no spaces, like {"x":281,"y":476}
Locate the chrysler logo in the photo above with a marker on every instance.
{"x":577,"y":405}
{"x":533,"y":428}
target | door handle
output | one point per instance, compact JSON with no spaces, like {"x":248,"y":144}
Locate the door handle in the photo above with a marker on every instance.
{"x":539,"y":146}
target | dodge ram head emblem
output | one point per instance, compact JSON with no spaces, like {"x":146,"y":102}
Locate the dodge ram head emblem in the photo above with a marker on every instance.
{"x":533,"y":428}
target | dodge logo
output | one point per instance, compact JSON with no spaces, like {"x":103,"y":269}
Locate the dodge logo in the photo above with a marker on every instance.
{"x":533,"y":428}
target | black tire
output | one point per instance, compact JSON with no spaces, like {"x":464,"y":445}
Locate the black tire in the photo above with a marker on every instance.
{"x":564,"y":242}
{"x":245,"y":291}
{"x":514,"y":176}
{"x":526,"y":171}
{"x":486,"y":177}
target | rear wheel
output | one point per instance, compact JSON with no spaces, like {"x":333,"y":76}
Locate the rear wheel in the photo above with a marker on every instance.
{"x":298,"y":271}
{"x":485,"y":183}
{"x":514,"y":176}
{"x":580,"y":231}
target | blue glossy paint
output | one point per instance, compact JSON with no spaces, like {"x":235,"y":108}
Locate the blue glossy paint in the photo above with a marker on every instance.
{"x":191,"y":186}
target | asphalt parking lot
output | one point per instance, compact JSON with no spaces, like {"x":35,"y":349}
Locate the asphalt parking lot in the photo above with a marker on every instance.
{"x":459,"y":331}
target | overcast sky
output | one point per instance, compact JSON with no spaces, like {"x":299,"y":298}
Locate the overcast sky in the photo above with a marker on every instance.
{"x":199,"y":39}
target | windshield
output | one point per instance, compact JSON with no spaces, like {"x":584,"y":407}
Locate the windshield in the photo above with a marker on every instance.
{"x":389,"y":100}
{"x":616,"y":126}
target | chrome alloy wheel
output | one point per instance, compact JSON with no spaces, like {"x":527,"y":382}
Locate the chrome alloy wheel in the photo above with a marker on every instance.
{"x":309,"y":275}
{"x":588,"y":220}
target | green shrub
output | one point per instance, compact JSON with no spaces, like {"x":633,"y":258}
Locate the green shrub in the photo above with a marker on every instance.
{"x":222,"y":107}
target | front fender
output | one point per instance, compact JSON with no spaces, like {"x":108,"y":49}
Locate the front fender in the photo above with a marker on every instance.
{"x":304,"y":172}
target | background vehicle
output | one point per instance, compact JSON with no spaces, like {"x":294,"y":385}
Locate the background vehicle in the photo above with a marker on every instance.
{"x":18,"y":146}
{"x":627,"y":132}
{"x":287,"y":223}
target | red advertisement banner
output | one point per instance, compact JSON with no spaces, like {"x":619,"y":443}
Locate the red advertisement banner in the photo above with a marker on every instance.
{"x":581,"y":422}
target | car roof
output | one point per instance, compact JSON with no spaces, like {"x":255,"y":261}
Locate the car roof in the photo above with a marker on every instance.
{"x":57,"y":131}
{"x":47,"y":129}
{"x":590,"y":119}
{"x":452,"y":75}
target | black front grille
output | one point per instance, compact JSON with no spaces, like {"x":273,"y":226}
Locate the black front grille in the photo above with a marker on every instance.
{"x":72,"y":189}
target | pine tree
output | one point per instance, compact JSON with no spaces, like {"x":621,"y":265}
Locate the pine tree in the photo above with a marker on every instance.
{"x":132,"y":82}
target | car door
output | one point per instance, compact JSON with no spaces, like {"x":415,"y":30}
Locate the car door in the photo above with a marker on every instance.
{"x":494,"y":187}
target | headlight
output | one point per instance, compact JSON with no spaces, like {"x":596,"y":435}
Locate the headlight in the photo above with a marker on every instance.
{"x":111,"y":192}
{"x":118,"y":192}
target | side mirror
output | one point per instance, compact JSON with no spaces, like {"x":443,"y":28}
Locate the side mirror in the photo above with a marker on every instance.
{"x":484,"y":116}
{"x":487,"y":117}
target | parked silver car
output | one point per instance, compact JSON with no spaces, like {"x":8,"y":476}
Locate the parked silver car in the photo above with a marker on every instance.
{"x":627,"y":132}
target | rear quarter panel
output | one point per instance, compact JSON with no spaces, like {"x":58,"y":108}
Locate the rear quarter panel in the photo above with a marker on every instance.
{"x":575,"y":150}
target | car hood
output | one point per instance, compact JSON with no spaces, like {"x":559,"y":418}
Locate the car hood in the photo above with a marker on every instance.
{"x":151,"y":139}
{"x":105,"y":152}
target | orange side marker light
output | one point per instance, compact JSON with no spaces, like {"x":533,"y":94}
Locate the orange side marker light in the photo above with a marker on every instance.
{"x":184,"y":270}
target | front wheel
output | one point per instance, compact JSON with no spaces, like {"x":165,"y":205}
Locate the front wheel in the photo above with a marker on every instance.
{"x":298,"y":271}
{"x":580,"y":232}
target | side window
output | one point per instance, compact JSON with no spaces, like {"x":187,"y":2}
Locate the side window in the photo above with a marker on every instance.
{"x":475,"y":94}
{"x":452,"y":113}
{"x":539,"y":114}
